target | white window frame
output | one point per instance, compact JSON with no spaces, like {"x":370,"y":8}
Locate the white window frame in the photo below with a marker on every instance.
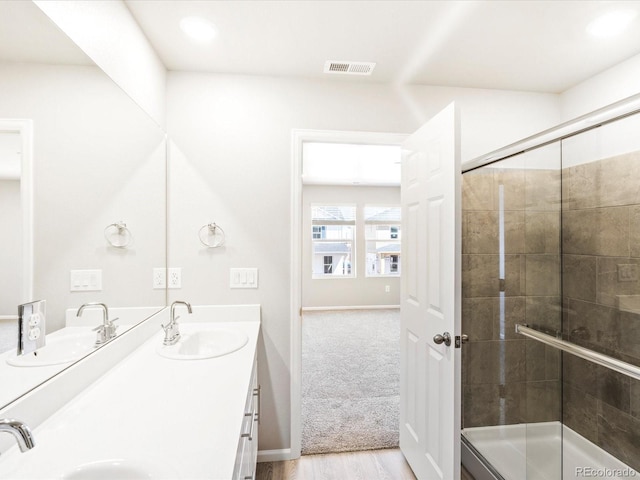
{"x":325,"y":239}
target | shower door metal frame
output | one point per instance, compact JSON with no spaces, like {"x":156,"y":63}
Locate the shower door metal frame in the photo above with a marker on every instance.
{"x":624,"y":108}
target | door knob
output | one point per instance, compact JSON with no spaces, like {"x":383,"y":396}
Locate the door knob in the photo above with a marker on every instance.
{"x":444,"y":338}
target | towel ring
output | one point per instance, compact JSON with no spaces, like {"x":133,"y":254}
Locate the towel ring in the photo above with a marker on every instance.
{"x":211,"y":235}
{"x":118,"y":235}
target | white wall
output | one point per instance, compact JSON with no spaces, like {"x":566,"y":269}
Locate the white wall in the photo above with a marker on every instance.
{"x":231,"y":163}
{"x":610,"y":86}
{"x":358,"y":290}
{"x":98,"y":159}
{"x":106,"y":31}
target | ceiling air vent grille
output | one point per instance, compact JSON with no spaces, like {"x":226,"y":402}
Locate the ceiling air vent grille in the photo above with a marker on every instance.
{"x":349,"y":68}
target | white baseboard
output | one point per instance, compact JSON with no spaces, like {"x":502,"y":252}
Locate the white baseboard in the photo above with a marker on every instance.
{"x":350,"y":307}
{"x":274,"y":455}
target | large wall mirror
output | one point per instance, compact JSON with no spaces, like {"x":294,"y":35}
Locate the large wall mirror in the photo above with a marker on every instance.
{"x":82,"y":192}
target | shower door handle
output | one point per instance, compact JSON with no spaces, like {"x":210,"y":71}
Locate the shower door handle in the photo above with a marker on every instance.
{"x":444,"y":338}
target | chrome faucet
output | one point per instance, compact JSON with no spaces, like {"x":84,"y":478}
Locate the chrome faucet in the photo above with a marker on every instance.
{"x":107,"y":330}
{"x":20,"y":431}
{"x":171,"y":331}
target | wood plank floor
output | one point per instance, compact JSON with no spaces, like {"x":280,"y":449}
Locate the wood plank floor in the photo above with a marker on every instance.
{"x":386,"y":464}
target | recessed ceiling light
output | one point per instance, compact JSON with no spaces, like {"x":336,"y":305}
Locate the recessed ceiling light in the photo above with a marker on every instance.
{"x":611,"y":24}
{"x":198,"y":29}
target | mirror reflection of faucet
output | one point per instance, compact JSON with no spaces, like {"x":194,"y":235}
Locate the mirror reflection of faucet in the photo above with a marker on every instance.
{"x":107,"y":330}
{"x":171,"y":331}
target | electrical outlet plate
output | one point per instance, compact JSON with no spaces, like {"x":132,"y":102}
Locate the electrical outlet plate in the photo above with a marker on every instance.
{"x":163,"y":277}
{"x":31,"y":326}
{"x":628,"y":272}
{"x":174,"y":278}
{"x":159,"y":278}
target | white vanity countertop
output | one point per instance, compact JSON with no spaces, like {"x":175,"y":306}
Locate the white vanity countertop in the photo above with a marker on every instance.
{"x":182,"y":417}
{"x":15,"y":381}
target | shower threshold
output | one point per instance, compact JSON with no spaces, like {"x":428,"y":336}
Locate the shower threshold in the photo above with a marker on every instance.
{"x":544,"y":451}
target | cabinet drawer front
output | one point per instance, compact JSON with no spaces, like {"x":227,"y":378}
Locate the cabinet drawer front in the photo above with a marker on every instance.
{"x":247,"y":453}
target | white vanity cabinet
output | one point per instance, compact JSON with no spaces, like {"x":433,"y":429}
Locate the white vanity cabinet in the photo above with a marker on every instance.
{"x":247,"y":455}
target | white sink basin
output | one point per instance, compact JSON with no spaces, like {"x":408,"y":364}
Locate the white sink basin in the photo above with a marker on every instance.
{"x":113,"y":469}
{"x":59,"y":349}
{"x":204,"y":342}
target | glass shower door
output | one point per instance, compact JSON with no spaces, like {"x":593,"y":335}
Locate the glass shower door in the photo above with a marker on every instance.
{"x":512,"y":396}
{"x":543,"y":311}
{"x":601,"y":292}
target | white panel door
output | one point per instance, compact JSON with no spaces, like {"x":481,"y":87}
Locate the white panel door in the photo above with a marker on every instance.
{"x":430,"y":300}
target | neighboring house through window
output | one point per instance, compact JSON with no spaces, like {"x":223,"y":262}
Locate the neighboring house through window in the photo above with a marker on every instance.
{"x":319,"y":231}
{"x":383,"y":236}
{"x":328,"y":264}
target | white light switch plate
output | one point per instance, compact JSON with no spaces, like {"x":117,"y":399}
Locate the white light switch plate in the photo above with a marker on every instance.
{"x":86,"y":280}
{"x":243,"y":278}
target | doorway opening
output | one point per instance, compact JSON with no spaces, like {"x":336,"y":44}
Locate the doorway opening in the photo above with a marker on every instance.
{"x":345,"y":315}
{"x":16,"y":259}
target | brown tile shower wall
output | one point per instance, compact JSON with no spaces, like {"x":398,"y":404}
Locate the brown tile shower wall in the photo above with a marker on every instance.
{"x":601,"y":294}
{"x":507,"y":379}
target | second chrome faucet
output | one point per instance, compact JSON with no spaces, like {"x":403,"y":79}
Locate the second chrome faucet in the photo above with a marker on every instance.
{"x":171,"y":330}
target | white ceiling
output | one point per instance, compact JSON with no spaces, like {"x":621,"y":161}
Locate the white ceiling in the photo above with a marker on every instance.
{"x":27,"y":35}
{"x":520,"y":45}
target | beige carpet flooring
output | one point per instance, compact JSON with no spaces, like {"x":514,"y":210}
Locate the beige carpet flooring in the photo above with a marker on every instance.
{"x":350,"y":380}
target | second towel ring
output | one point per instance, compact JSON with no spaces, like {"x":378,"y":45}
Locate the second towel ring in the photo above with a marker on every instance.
{"x":118,"y":235}
{"x":211,"y":235}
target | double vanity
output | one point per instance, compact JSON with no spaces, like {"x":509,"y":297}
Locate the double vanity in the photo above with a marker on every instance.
{"x":188,"y":410}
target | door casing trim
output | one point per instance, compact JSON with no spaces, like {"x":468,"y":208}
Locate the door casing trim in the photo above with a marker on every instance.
{"x":298,"y":138}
